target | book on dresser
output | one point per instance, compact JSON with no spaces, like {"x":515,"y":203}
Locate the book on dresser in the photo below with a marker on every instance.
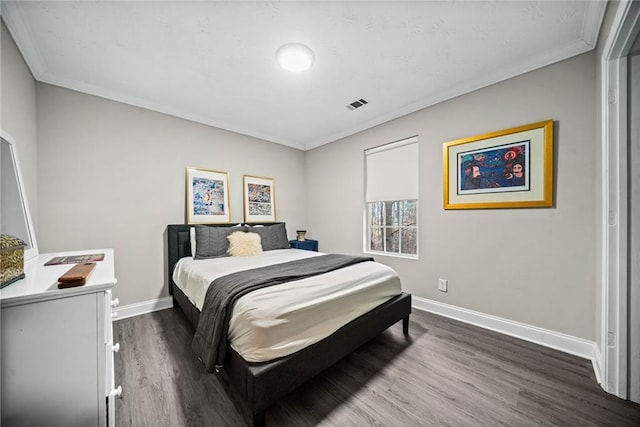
{"x":57,"y":346}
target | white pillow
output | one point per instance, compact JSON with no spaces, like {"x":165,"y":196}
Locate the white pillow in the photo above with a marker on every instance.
{"x":192,"y":239}
{"x":244,"y":244}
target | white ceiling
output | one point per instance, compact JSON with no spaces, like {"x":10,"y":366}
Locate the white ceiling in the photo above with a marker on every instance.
{"x":214,"y":62}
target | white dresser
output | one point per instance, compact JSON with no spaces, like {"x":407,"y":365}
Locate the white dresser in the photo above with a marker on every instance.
{"x":57,"y":347}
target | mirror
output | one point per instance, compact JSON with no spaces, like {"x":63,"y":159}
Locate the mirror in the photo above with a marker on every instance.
{"x":15,"y":218}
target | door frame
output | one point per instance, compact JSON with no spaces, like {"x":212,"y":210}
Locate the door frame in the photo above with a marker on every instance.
{"x":614,"y":203}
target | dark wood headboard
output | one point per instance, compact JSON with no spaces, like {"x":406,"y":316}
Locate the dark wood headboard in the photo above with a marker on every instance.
{"x":179,"y":244}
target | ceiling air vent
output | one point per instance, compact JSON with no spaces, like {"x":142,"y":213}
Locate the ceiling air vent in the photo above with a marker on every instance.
{"x":357,"y":104}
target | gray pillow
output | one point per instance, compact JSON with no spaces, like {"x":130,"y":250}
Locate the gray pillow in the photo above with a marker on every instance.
{"x":273,"y":236}
{"x":211,"y":242}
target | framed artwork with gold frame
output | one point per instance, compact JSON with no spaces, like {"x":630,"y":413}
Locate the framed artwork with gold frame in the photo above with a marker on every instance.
{"x":207,"y":197}
{"x":510,"y":168}
{"x":259,"y":199}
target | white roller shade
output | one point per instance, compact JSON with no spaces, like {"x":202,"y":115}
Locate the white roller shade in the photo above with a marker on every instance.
{"x":392,"y":171}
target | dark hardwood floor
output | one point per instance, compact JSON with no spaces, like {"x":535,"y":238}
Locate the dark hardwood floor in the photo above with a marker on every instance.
{"x":447,"y":373}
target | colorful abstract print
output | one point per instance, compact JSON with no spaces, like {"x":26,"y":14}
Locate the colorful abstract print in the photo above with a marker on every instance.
{"x":495,"y":169}
{"x":259,"y":196}
{"x":208,"y":196}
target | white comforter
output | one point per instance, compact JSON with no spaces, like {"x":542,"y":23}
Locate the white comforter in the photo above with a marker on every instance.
{"x":279,"y":320}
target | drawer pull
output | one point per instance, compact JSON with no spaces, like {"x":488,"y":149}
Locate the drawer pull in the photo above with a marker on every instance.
{"x":114,"y":314}
{"x":116,"y":347}
{"x":115,"y":302}
{"x":116,"y":391}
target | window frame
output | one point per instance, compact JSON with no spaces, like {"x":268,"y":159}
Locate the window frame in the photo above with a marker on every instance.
{"x":384,"y":227}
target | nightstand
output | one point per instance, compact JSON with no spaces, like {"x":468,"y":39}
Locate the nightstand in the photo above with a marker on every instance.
{"x":307,"y":245}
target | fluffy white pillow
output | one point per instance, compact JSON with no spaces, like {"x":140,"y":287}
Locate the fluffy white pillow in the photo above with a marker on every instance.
{"x":244,"y":244}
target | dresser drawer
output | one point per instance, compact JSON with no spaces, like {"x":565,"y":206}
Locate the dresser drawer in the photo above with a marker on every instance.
{"x":54,"y":351}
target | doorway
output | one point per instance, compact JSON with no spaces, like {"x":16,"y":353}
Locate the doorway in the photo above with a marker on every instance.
{"x":621,"y":205}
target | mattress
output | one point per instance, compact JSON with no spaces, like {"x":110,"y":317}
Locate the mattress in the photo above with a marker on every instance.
{"x":279,"y":320}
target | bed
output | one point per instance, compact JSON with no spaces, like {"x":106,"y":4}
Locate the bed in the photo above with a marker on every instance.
{"x":261,"y":382}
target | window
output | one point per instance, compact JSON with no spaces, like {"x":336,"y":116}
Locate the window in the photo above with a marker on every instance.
{"x":392,"y":198}
{"x":393,"y":227}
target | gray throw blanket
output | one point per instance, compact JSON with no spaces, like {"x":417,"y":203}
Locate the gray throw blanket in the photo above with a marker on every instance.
{"x":210,"y":340}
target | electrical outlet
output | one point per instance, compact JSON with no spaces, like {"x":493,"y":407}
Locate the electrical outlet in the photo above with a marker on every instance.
{"x":442,"y":285}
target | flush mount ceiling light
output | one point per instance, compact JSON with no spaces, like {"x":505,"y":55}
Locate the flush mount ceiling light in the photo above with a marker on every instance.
{"x":295,"y":57}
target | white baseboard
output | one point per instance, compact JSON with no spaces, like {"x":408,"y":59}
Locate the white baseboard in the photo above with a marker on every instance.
{"x":143,"y":307}
{"x":556,"y":340}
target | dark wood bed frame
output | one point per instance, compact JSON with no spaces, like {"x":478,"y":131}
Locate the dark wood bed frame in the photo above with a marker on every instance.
{"x":262,"y":384}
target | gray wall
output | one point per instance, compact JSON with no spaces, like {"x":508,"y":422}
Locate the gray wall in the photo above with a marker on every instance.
{"x":18,"y":113}
{"x":535,"y":266}
{"x":113,"y":175}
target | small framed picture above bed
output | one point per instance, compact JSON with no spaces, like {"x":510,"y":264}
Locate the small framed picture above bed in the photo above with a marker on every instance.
{"x":259,"y":199}
{"x":207,"y":197}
